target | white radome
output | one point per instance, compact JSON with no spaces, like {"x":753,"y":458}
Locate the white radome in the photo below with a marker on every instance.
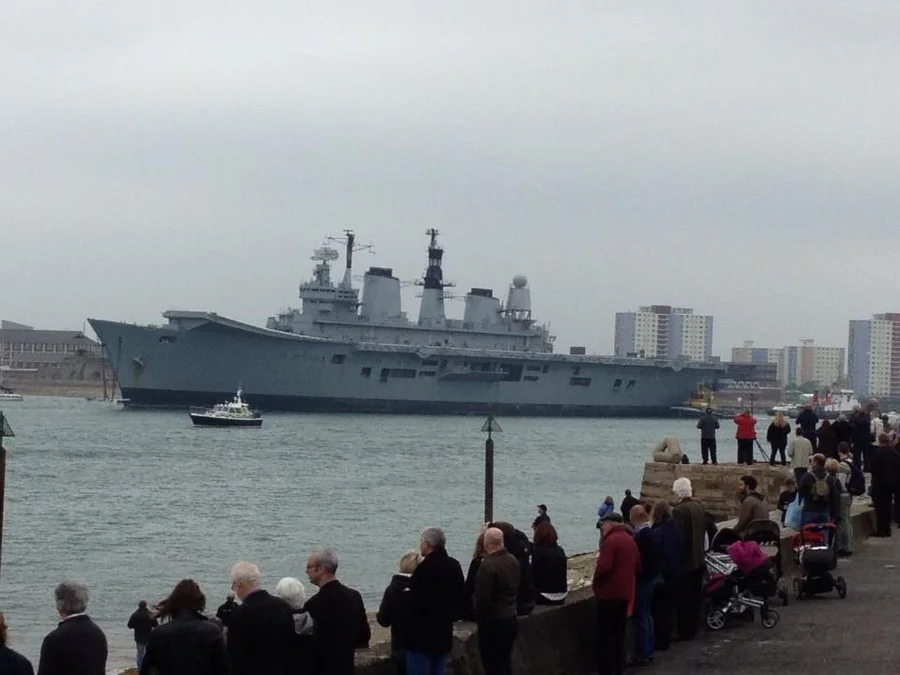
{"x":520,"y":281}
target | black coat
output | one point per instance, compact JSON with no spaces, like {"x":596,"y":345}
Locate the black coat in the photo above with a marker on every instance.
{"x":520,"y":548}
{"x":225,"y":610}
{"x":886,"y":469}
{"x":437,"y":593}
{"x":628,"y":503}
{"x":260,"y":636}
{"x":807,"y":420}
{"x":843,"y":430}
{"x":777,"y":435}
{"x":13,"y":663}
{"x":650,"y":544}
{"x":862,"y":434}
{"x":549,"y":568}
{"x":189,"y":644}
{"x":341,"y":627}
{"x":395,"y":610}
{"x":828,"y":442}
{"x":76,"y":647}
{"x":468,"y":612}
{"x":142,"y":623}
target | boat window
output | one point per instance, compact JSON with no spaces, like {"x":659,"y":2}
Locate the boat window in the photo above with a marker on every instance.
{"x":427,"y":373}
{"x":631,"y":384}
{"x":580,"y":381}
{"x":338,"y":358}
{"x":531,"y":378}
{"x":366,"y":372}
{"x":404,"y":373}
{"x":384,"y":374}
{"x":167,"y":339}
{"x":617,"y":384}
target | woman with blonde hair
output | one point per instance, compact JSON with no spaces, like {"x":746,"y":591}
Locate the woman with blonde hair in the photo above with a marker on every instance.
{"x":395,"y":611}
{"x":777,"y":437}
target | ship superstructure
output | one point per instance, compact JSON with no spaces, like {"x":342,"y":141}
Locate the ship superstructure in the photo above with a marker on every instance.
{"x":340,"y":352}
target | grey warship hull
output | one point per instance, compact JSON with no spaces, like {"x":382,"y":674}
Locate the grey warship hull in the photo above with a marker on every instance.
{"x":200,"y":358}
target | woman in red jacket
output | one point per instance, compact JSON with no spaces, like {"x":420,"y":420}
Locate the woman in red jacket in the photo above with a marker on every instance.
{"x":746,"y":436}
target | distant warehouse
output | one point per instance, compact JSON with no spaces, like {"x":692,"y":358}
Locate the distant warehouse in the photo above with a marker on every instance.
{"x":53,"y":354}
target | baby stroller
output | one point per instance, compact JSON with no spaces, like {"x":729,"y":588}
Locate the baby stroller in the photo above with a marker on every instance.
{"x":767,"y":533}
{"x":815,"y":551}
{"x":740,"y":580}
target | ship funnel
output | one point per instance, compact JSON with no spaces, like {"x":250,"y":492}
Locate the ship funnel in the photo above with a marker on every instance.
{"x":482,"y":308}
{"x":431,"y":311}
{"x":381,"y":295}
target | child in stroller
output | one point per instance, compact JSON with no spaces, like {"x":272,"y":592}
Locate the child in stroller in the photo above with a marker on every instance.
{"x":740,"y":580}
{"x":815,"y":552}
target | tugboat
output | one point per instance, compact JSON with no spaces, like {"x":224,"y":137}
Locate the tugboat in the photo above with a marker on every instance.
{"x":235,"y":413}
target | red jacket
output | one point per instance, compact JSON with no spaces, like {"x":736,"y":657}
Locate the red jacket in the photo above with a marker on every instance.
{"x":618,"y":566}
{"x":746,"y":427}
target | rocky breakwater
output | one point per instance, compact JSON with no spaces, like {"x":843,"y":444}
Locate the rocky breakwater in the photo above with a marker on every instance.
{"x":716,"y":486}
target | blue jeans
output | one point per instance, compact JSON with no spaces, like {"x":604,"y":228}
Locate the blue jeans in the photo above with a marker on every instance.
{"x":644,"y":637}
{"x":141,"y":650}
{"x":420,"y":663}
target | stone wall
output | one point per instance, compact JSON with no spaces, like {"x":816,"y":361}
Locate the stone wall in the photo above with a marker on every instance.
{"x":714,"y":486}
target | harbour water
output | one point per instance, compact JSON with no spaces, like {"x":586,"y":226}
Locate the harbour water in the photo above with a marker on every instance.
{"x":133,"y":501}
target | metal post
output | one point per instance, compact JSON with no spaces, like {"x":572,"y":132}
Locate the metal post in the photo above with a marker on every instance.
{"x":489,"y":479}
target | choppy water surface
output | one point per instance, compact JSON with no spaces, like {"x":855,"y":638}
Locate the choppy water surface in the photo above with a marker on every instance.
{"x":133,"y":501}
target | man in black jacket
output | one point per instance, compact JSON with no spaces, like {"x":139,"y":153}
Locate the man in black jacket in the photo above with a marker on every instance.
{"x":437,"y":598}
{"x":261,"y":629}
{"x":77,"y":646}
{"x":142,"y":623}
{"x":223,"y":613}
{"x":339,"y":617}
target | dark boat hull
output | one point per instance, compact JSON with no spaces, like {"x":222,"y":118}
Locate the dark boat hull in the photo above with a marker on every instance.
{"x":210,"y":421}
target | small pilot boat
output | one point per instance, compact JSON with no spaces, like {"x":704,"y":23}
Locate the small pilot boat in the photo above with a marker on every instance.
{"x":234,"y":413}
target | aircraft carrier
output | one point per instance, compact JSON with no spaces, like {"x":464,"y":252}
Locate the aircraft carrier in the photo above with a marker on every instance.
{"x":340,"y":353}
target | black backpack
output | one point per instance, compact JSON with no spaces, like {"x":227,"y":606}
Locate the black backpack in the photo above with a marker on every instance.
{"x":856,"y":484}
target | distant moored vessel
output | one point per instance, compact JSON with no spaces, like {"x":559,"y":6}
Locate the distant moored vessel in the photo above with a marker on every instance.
{"x":234,"y":413}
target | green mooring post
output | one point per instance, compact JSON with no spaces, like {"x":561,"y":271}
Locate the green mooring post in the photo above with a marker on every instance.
{"x":490,"y":426}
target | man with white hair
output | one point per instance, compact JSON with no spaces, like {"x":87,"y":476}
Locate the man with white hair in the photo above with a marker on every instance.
{"x":261,"y":629}
{"x":341,"y":624}
{"x":437,"y":598}
{"x":77,"y":646}
{"x":690,"y":517}
{"x":496,"y":590}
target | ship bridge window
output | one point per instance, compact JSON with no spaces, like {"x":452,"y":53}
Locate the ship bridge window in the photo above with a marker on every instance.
{"x":531,"y":378}
{"x":430,"y":362}
{"x":403,"y":373}
{"x":338,"y":358}
{"x":576,"y":370}
{"x":366,"y":372}
{"x":167,"y":339}
{"x":617,"y":384}
{"x":427,"y":373}
{"x":580,"y":381}
{"x":631,"y":384}
{"x":533,"y":369}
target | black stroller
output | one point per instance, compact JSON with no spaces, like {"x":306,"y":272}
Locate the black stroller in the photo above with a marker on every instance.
{"x":767,"y":533}
{"x":815,"y":551}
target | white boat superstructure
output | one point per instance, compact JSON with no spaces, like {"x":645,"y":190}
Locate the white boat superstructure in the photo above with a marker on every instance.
{"x":236,"y":412}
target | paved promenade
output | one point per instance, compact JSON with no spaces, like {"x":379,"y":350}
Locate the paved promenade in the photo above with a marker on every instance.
{"x":860,"y":634}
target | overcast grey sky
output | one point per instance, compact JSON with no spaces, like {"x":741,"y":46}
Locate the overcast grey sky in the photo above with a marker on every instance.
{"x":738,"y":158}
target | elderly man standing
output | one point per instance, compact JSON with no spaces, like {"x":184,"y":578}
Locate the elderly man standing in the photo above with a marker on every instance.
{"x":690,"y":517}
{"x":339,"y":617}
{"x":496,"y":590}
{"x":261,"y":629}
{"x":437,"y":599}
{"x":77,"y":646}
{"x":615,"y":579}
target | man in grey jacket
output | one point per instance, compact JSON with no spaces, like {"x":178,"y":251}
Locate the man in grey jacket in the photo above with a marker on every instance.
{"x":707,"y":425}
